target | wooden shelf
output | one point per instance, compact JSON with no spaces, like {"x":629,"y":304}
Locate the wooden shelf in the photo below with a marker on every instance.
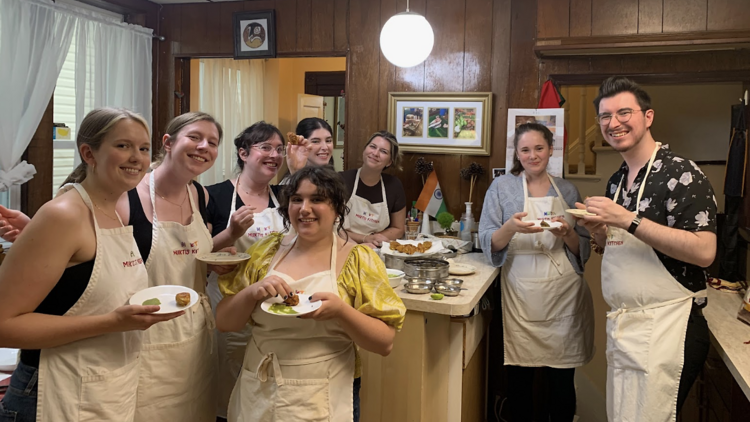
{"x":642,"y":44}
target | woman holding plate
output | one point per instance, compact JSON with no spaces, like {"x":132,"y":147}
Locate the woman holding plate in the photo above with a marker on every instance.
{"x":312,"y":356}
{"x":547,"y":306}
{"x":260,"y":152}
{"x":80,"y":343}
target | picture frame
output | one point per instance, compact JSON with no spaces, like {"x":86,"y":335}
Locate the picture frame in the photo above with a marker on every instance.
{"x":553,"y":119}
{"x":441,"y":122}
{"x":254,"y":34}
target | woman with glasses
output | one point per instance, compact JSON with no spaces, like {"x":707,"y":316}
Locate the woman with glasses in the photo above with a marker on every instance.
{"x":547,"y":310}
{"x":260,"y":152}
{"x":377,"y":203}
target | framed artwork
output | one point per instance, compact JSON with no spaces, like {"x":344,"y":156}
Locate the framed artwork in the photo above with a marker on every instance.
{"x":554,"y":119}
{"x":441,"y":122}
{"x":254,"y":34}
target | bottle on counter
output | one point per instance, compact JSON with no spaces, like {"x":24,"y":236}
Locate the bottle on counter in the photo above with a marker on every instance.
{"x":467,"y":223}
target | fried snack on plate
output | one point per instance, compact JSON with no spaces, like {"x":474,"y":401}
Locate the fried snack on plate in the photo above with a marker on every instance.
{"x":292,"y":300}
{"x":293,"y":138}
{"x":410,"y":249}
{"x":544,"y":224}
{"x":182,"y":299}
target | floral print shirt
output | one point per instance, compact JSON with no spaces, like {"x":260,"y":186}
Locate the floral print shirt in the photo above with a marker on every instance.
{"x":678,"y":195}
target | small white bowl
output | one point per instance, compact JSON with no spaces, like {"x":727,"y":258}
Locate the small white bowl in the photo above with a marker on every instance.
{"x":395,"y":277}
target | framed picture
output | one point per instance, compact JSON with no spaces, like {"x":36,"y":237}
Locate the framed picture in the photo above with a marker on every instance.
{"x":254,"y":34}
{"x":553,"y":118}
{"x":441,"y":122}
{"x":496,"y":172}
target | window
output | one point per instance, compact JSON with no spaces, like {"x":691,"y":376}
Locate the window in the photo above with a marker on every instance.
{"x":65,"y":155}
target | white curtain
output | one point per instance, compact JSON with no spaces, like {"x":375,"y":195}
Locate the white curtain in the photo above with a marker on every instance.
{"x":232,"y":92}
{"x":112,"y":63}
{"x":34,"y":40}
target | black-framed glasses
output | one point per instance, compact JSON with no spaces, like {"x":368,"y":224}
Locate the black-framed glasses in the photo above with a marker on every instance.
{"x":267,"y":149}
{"x":623,"y":115}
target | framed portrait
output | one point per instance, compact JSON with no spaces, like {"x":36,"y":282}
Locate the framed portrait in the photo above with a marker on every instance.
{"x":553,"y":119}
{"x":441,"y":122}
{"x":254,"y":34}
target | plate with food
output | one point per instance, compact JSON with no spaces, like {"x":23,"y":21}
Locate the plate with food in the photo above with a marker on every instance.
{"x":170,"y":298}
{"x":578,"y":213}
{"x":223,"y":258}
{"x":411,"y":247}
{"x":293,"y":306}
{"x":547,"y":225}
{"x":8,"y":359}
{"x":456,"y":268}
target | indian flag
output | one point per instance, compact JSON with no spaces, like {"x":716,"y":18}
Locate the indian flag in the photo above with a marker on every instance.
{"x":430,"y":200}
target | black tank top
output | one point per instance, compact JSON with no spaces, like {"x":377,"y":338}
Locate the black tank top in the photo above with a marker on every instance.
{"x":142,"y":228}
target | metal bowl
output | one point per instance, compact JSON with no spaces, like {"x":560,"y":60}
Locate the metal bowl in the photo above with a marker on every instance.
{"x":452,"y":282}
{"x":430,"y":268}
{"x":396,"y":262}
{"x":418,"y":288}
{"x":421,"y":280}
{"x":447,"y":289}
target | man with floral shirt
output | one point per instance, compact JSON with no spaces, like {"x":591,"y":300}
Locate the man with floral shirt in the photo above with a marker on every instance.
{"x":656,"y":226}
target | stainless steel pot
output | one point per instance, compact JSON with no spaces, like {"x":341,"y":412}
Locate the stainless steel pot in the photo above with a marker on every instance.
{"x":397,"y":262}
{"x":427,"y":268}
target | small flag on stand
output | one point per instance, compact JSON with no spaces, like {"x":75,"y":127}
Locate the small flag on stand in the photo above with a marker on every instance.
{"x":430,"y":200}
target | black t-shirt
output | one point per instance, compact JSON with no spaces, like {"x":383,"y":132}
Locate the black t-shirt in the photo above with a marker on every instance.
{"x":220,"y":200}
{"x":394,"y":190}
{"x":678,"y":195}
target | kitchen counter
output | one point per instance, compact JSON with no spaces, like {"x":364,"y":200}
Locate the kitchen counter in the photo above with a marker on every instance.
{"x":728,"y":334}
{"x":475,"y":284}
{"x":437,"y":369}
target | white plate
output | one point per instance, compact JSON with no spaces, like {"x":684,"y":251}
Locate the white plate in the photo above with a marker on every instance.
{"x":223,"y":258}
{"x":395,"y":277}
{"x":8,"y":359}
{"x":461,"y":269}
{"x":166,"y":295}
{"x":304,"y":307}
{"x":437,"y":246}
{"x":578,"y":213}
{"x":552,"y":224}
{"x":4,"y":377}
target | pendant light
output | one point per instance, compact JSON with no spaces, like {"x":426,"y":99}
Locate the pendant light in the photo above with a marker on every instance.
{"x":406,"y":39}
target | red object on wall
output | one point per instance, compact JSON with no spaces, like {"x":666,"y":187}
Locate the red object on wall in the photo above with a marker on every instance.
{"x":551,"y":98}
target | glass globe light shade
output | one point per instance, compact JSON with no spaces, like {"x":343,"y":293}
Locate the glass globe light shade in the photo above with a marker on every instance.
{"x":406,"y":39}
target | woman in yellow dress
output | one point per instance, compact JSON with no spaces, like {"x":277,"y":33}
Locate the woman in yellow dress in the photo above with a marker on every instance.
{"x":307,"y":364}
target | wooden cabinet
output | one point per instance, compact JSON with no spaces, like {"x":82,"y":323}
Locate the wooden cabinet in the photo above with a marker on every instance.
{"x":716,"y":396}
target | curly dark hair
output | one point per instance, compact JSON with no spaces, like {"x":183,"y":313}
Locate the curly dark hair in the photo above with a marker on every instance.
{"x":330,"y":186}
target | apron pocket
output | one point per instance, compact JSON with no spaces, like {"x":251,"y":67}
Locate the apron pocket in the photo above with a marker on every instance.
{"x":303,"y":400}
{"x":629,"y":340}
{"x":547,"y":299}
{"x":177,"y":373}
{"x":110,"y":396}
{"x":251,"y":399}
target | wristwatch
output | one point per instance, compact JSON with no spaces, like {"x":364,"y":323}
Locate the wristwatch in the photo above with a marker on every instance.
{"x":634,"y":225}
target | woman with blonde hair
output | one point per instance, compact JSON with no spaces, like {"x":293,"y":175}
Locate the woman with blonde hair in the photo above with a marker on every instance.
{"x":377,"y":202}
{"x":80,"y":342}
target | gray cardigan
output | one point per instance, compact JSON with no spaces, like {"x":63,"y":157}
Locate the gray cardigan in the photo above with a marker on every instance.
{"x":505,"y":198}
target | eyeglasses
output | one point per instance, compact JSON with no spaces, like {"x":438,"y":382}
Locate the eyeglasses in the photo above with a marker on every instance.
{"x":623,"y":116}
{"x":267,"y":149}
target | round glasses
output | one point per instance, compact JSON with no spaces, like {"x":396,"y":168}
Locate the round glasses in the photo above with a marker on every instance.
{"x":622,"y":115}
{"x":268,"y":149}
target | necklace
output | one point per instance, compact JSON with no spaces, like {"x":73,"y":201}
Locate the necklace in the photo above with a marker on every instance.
{"x":247,"y":192}
{"x":180,"y":205}
{"x":103,"y":212}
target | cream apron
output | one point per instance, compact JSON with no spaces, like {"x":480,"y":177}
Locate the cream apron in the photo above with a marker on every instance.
{"x":548,"y":315}
{"x":296,"y":370}
{"x":647,"y":303}
{"x":232,"y":345}
{"x":96,"y":379}
{"x":178,"y":370}
{"x":365,"y":217}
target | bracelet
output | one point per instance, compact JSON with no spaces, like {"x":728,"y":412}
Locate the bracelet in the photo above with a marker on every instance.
{"x":595,"y":246}
{"x":364,"y":239}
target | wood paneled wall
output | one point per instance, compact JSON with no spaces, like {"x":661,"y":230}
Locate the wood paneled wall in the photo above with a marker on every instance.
{"x":576,"y":18}
{"x":480,"y":45}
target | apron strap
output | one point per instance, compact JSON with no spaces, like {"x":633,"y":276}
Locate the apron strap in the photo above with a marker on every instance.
{"x":210,"y":321}
{"x":643,"y":183}
{"x":234,"y":201}
{"x":622,"y":311}
{"x":559,"y":195}
{"x":87,"y":200}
